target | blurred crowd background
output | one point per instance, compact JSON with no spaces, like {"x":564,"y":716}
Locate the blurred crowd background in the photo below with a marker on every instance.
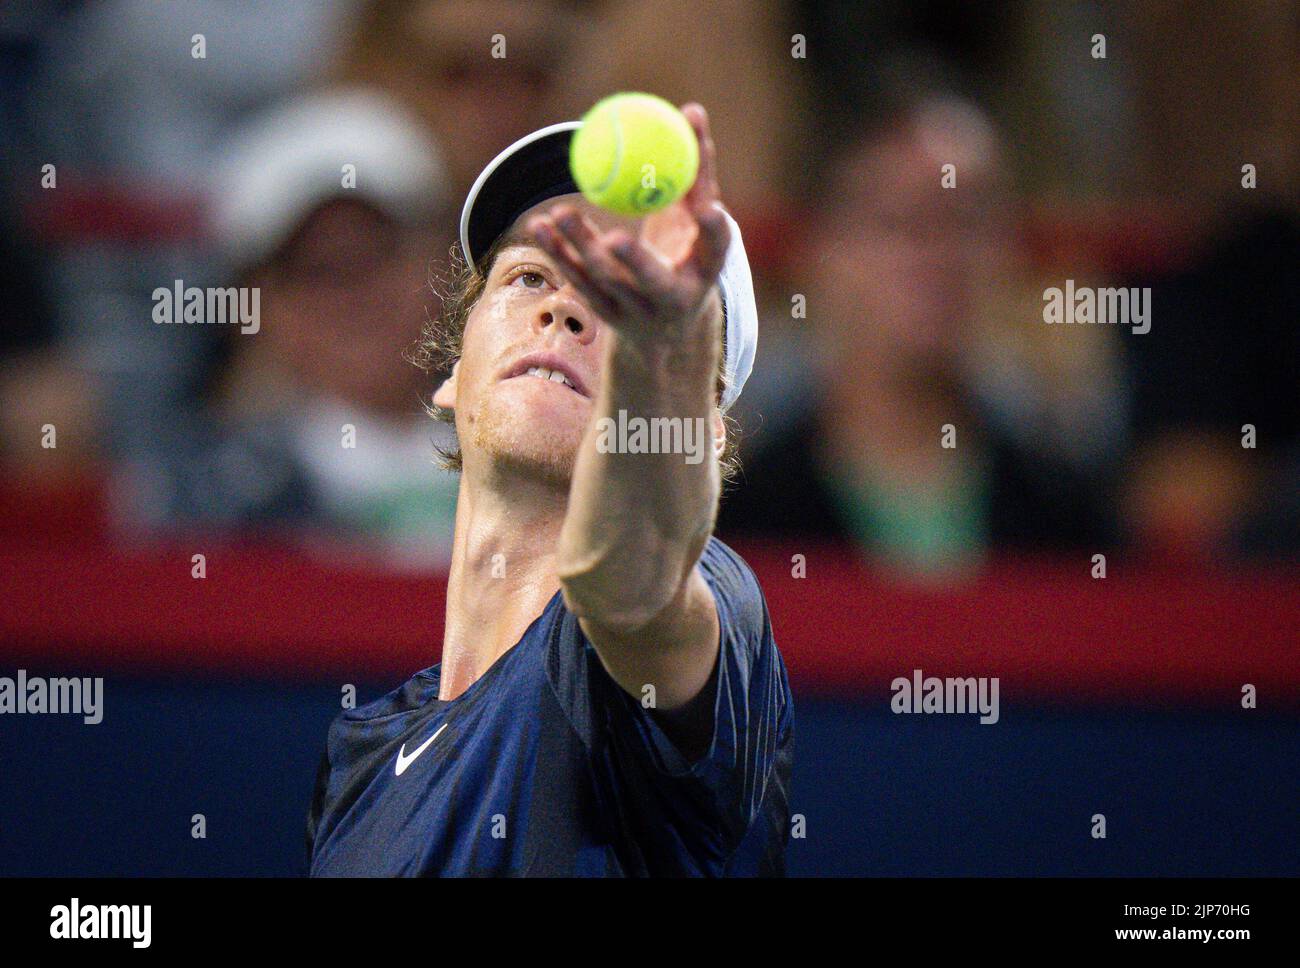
{"x":196,"y":140}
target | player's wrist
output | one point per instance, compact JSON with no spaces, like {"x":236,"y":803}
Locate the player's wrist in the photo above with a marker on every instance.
{"x":689,"y":334}
{"x":674,"y":370}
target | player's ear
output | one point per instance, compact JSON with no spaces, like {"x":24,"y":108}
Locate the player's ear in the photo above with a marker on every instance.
{"x":719,"y":434}
{"x":445,"y":396}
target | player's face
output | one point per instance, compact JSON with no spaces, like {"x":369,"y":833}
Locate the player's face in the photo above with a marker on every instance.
{"x":529,"y":371}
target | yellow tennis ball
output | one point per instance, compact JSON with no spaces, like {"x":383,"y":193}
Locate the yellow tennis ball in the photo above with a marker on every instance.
{"x":634,"y":154}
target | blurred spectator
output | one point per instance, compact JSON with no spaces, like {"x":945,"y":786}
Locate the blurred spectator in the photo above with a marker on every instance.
{"x":480,"y":74}
{"x":483,"y":73}
{"x":326,"y":206}
{"x":916,"y":306}
{"x":44,"y":399}
{"x":130,"y":92}
{"x":125,"y":103}
{"x":1219,"y":93}
{"x":1223,"y":355}
{"x":736,"y":61}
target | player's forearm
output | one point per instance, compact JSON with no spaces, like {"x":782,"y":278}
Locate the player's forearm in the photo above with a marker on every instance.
{"x":638,"y":522}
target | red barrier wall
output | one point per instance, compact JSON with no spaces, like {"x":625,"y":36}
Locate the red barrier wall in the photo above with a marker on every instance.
{"x":1046,"y":627}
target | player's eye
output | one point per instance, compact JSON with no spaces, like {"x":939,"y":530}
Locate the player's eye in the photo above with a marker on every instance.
{"x":532,"y":278}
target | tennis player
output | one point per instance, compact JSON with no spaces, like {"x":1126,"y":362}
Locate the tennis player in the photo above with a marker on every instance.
{"x":610,"y":700}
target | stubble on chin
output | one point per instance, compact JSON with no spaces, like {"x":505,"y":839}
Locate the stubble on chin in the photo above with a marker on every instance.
{"x":523,"y":447}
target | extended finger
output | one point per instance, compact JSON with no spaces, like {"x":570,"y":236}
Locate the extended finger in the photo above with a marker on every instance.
{"x":570,"y":263}
{"x":705,"y":189}
{"x":618,"y":284}
{"x":704,"y":201}
{"x":709,"y":250}
{"x":582,"y":234}
{"x":654,"y":279}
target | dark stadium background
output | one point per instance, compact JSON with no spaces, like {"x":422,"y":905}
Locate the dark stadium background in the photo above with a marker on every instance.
{"x":1120,"y":696}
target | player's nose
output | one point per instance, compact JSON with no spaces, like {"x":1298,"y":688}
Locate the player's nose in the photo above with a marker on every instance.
{"x":565,"y":311}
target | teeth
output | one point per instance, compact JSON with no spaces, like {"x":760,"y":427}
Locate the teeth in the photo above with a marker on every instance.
{"x":555,"y":376}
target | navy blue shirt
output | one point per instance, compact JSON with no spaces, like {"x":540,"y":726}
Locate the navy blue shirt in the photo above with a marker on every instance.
{"x":545,"y":766}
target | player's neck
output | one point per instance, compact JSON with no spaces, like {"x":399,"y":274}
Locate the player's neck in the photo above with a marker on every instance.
{"x":502,"y":575}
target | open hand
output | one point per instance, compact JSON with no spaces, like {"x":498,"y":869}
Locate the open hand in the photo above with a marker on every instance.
{"x":651,"y":284}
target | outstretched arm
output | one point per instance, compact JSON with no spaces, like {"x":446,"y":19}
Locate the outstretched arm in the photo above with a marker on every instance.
{"x":637,"y":523}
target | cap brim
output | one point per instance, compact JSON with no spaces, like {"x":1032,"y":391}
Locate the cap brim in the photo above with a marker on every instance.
{"x":530,"y":171}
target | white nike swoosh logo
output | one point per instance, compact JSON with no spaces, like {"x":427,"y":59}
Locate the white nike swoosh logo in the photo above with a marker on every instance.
{"x":403,"y":761}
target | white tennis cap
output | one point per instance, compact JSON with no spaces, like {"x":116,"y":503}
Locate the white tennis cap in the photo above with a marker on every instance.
{"x":285,"y":162}
{"x":535,"y":168}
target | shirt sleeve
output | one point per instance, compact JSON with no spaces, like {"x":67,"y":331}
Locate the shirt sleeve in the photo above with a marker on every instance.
{"x":317,"y":804}
{"x":673,"y":815}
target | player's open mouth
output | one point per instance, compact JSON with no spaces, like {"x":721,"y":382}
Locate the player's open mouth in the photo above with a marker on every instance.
{"x":550,"y":370}
{"x":554,"y":376}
